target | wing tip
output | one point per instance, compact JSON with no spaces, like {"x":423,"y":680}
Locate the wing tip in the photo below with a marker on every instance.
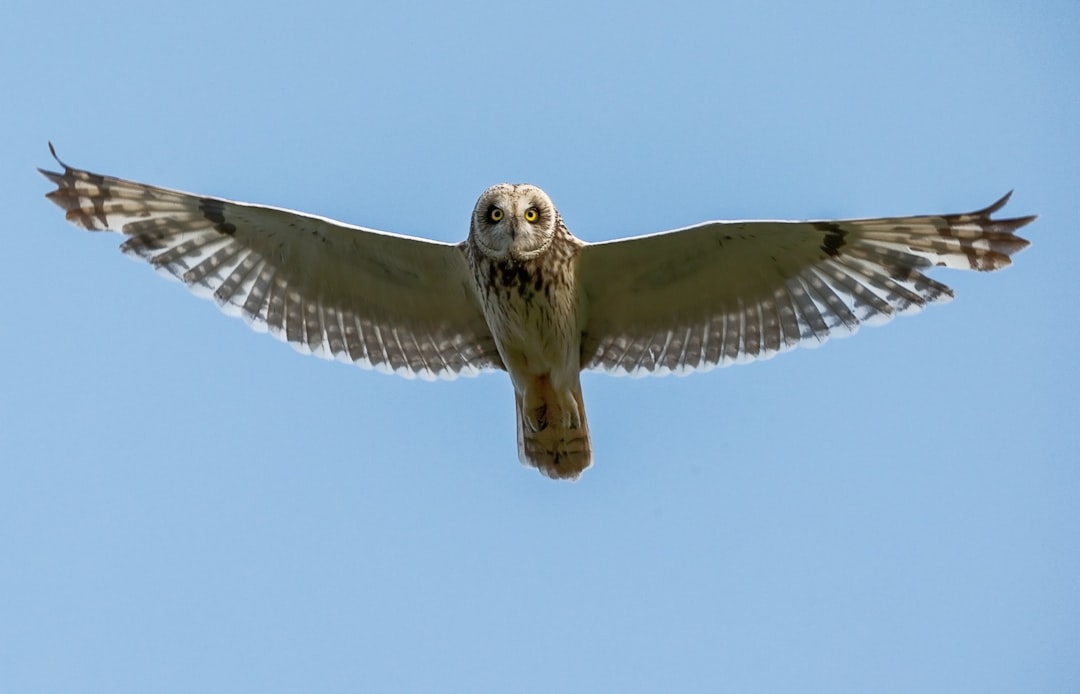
{"x":1012,"y":223}
{"x":53,"y":175}
{"x":995,"y":206}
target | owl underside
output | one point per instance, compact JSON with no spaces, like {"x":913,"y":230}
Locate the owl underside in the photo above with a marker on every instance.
{"x":532,"y":311}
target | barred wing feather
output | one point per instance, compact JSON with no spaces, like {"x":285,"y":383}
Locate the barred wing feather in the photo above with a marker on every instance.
{"x":728,"y":292}
{"x":379,"y":300}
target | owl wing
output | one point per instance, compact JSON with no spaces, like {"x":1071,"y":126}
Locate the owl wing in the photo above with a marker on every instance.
{"x":726,"y":292}
{"x":379,"y":300}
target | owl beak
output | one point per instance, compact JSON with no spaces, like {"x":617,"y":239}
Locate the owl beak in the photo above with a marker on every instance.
{"x":513,"y":229}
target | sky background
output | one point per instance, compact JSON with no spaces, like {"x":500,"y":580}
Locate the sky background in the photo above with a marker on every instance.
{"x":186,"y":505}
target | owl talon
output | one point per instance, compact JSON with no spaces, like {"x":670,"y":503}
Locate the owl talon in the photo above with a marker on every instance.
{"x":571,"y":417}
{"x":538,"y":421}
{"x":535,"y":418}
{"x":534,"y":411}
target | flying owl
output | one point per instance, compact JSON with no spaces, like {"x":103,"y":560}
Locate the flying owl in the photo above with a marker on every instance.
{"x":524,"y":295}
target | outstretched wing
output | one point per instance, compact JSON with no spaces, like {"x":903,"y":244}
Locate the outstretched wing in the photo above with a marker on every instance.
{"x":725,"y":292}
{"x":376,"y":299}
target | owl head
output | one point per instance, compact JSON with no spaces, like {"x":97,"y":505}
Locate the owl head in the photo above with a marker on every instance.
{"x":513,"y":221}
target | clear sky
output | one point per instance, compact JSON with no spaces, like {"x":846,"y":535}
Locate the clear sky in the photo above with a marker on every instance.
{"x":186,"y":505}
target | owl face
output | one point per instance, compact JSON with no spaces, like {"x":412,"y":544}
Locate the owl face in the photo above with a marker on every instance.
{"x":513,"y":221}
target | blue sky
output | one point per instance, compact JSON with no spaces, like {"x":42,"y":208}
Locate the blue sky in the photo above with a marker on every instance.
{"x":186,"y":505}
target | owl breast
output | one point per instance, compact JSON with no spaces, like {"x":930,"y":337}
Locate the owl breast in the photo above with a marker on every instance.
{"x":533,"y":312}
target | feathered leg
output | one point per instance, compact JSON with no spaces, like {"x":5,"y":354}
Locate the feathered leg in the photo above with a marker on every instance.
{"x":552,"y":430}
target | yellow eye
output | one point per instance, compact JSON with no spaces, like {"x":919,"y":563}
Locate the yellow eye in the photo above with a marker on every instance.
{"x":531,"y":214}
{"x":495,"y":214}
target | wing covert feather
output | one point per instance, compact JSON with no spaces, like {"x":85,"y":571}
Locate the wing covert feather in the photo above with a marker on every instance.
{"x":729,"y":292}
{"x":376,"y":299}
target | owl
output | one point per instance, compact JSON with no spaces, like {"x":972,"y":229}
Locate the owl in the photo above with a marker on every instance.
{"x":523,"y":295}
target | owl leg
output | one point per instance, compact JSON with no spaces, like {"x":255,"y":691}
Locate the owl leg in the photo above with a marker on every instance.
{"x":541,"y":401}
{"x":553,"y":435}
{"x":533,"y":407}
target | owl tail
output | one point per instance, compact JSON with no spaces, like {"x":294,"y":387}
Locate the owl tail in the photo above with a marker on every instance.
{"x":552,"y":432}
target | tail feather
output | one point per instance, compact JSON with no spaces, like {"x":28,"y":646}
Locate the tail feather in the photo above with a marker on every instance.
{"x":547,"y":436}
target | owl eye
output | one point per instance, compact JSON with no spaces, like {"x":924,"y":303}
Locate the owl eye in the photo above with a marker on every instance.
{"x":495,"y":214}
{"x":532,"y":214}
